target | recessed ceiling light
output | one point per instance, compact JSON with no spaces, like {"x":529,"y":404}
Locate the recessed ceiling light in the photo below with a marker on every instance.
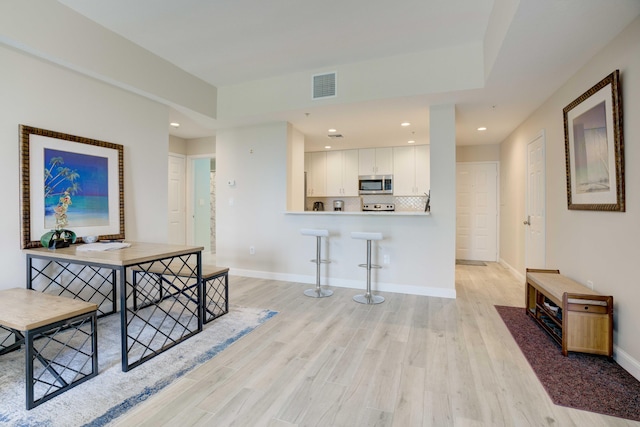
{"x":482,"y":128}
{"x":405,"y":124}
{"x":174,"y":124}
{"x":332,"y":130}
{"x":328,"y":147}
{"x":411,"y":142}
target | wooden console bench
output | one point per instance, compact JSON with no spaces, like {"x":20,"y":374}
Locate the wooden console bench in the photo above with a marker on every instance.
{"x":578,"y":318}
{"x":60,"y":339}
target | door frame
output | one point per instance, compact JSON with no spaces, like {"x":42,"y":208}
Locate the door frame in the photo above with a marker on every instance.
{"x":497,"y":164}
{"x":527,"y":249}
{"x":190,"y":193}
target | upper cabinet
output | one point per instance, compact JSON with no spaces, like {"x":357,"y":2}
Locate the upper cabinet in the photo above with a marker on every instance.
{"x":411,"y":170}
{"x":315,"y":165}
{"x":342,"y":173}
{"x":375,"y":161}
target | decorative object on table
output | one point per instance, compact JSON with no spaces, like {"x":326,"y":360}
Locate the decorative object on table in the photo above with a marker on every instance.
{"x":90,"y":239}
{"x":56,"y":239}
{"x":89,"y":170}
{"x":60,"y":237}
{"x":594,"y":148}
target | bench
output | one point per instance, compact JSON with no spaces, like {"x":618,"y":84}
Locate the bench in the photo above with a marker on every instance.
{"x":60,"y":339}
{"x":578,"y":318}
{"x":215,"y":285}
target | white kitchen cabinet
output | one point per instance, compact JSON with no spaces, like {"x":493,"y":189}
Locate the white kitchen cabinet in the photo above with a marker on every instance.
{"x":411,"y":170}
{"x":375,"y":161}
{"x":342,"y":173}
{"x":315,"y":165}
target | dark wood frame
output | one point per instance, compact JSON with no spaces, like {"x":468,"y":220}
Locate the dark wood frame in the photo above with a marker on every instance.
{"x":25,"y":180}
{"x":613,"y":106}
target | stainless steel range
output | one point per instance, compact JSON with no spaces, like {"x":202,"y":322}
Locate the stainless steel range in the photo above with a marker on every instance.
{"x":378,"y":207}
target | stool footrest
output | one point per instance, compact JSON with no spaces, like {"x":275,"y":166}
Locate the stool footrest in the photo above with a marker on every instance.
{"x":322,"y":261}
{"x":372,"y":265}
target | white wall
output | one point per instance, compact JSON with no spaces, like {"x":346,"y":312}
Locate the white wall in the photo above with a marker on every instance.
{"x":43,"y":95}
{"x":253,"y":213}
{"x":478,"y":153}
{"x":584,"y":245}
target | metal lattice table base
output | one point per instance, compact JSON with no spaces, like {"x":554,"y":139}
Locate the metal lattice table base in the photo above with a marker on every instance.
{"x":58,"y":356}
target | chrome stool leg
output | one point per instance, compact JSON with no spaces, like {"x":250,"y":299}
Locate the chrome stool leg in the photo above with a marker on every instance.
{"x":367,"y":297}
{"x":318,"y":292}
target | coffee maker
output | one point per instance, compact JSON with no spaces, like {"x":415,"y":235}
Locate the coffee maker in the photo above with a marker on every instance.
{"x":338,"y":205}
{"x":318,"y":206}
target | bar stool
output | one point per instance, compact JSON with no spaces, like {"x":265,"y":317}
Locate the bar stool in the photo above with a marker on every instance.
{"x":317,"y":292}
{"x":367,"y":298}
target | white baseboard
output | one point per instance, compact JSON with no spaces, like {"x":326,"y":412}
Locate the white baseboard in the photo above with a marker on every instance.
{"x":512,"y":270}
{"x":345,"y":283}
{"x":629,"y":364}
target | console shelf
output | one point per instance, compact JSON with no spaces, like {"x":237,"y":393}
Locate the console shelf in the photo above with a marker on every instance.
{"x":577,"y":318}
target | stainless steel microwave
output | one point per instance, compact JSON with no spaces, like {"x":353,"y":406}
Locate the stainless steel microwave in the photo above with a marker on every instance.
{"x":375,"y":184}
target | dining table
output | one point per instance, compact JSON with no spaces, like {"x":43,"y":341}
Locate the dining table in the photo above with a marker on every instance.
{"x":122,"y":277}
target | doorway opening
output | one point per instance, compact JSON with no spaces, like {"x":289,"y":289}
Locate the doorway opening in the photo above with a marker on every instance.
{"x":202,"y":204}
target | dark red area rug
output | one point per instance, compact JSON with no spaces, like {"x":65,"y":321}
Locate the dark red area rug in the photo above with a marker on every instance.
{"x":581,"y":381}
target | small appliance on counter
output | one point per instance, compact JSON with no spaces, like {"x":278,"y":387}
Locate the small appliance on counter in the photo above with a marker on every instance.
{"x":338,"y":205}
{"x":378,"y":207}
{"x":318,"y":206}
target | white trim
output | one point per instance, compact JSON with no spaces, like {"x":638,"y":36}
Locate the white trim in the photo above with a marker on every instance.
{"x":512,"y":270}
{"x":625,"y":360}
{"x":346,"y":283}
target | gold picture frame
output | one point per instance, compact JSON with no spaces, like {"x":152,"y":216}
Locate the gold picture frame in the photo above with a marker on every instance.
{"x":88,"y":171}
{"x":594,"y":148}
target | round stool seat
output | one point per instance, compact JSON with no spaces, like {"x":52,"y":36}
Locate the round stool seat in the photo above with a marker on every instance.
{"x":314,"y":232}
{"x":366,"y":236}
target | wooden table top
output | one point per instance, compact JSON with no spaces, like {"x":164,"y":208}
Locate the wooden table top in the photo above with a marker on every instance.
{"x":137,"y":253}
{"x":556,"y":285}
{"x":25,"y":309}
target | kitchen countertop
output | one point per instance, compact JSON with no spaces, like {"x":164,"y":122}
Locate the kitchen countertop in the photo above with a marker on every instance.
{"x":360,"y":213}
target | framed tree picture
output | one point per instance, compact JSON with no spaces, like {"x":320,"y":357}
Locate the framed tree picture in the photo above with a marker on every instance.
{"x":594,"y":148}
{"x":69,"y":182}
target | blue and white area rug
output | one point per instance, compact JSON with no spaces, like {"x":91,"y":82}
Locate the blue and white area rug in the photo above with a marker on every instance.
{"x":112,"y":392}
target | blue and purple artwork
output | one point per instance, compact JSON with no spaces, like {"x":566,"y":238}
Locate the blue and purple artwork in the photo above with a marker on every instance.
{"x":85,"y":178}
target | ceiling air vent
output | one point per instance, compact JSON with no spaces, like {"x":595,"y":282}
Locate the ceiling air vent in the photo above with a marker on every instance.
{"x":324,"y":85}
{"x":335,"y":136}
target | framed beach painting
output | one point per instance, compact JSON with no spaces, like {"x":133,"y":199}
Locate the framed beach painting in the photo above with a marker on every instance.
{"x":594,"y":148}
{"x":72,"y":182}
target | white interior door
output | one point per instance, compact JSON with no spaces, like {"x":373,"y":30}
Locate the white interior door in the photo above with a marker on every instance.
{"x":177,"y":205}
{"x":477,"y":211}
{"x":535,"y":221}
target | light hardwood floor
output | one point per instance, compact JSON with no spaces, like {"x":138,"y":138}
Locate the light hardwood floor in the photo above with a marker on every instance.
{"x":411,"y":361}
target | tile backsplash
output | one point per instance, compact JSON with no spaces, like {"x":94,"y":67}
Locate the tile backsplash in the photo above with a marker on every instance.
{"x":354,"y":204}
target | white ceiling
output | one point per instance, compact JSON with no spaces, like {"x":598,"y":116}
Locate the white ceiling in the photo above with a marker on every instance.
{"x":231,"y":42}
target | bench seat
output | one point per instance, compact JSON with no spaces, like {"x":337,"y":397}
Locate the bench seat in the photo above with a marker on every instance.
{"x":215,"y":283}
{"x":44,"y":324}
